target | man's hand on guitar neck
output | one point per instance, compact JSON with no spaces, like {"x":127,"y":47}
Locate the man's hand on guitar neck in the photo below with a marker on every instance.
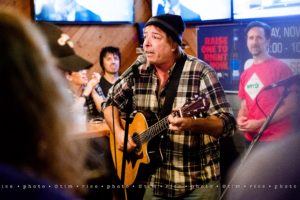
{"x":180,"y":123}
{"x":120,"y":142}
{"x":210,"y":125}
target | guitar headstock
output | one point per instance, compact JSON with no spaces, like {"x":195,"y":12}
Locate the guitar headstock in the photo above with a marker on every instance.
{"x":196,"y":106}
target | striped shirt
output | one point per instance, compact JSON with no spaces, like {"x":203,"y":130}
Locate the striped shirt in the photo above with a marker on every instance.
{"x":190,"y":158}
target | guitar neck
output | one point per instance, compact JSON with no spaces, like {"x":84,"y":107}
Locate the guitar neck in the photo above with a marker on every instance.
{"x":154,"y":130}
{"x":198,"y":106}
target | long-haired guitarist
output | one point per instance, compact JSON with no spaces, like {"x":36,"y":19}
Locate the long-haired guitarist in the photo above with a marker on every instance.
{"x":186,"y":133}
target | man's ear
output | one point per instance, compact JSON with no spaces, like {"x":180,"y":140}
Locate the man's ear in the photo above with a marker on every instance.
{"x":68,"y":76}
{"x":174,"y":46}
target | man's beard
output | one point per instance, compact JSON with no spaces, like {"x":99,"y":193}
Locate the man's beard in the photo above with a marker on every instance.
{"x":255,"y":51}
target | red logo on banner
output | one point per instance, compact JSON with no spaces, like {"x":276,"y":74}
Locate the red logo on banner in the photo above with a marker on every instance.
{"x":215,"y":52}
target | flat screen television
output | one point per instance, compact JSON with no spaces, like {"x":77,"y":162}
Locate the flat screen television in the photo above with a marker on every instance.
{"x":195,"y":11}
{"x":253,"y":9}
{"x":84,"y":11}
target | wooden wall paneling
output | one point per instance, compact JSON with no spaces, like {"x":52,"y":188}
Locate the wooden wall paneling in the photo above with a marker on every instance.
{"x":87,"y":42}
{"x":23,"y":6}
{"x":129,"y":42}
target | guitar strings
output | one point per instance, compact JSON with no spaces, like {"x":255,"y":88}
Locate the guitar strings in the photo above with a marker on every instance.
{"x":147,"y":135}
{"x":161,"y":125}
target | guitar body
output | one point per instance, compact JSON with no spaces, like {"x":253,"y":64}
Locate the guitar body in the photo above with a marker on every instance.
{"x":149,"y":139}
{"x":137,"y":156}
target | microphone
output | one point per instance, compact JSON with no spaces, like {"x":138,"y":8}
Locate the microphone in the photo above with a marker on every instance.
{"x":131,"y":70}
{"x":284,"y":82}
{"x":141,"y":59}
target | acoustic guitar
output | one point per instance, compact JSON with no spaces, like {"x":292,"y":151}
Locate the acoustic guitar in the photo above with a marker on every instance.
{"x":142,"y":135}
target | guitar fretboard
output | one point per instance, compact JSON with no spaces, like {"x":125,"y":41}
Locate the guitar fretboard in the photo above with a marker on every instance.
{"x":198,"y":105}
{"x":153,"y":130}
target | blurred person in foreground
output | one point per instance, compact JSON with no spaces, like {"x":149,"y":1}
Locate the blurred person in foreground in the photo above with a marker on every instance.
{"x":39,"y":158}
{"x":190,"y":146}
{"x":270,"y":172}
{"x":87,"y":95}
{"x":258,"y":103}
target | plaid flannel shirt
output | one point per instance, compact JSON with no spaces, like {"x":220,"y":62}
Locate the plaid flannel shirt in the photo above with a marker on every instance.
{"x":92,"y":111}
{"x":190,"y":159}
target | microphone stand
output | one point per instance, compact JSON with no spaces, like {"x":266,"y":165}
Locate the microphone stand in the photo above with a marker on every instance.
{"x":258,"y":136}
{"x":125,"y":153}
{"x":128,"y":111}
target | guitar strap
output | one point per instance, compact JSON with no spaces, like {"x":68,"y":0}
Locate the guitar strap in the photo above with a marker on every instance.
{"x":155,"y":144}
{"x":172,"y":86}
